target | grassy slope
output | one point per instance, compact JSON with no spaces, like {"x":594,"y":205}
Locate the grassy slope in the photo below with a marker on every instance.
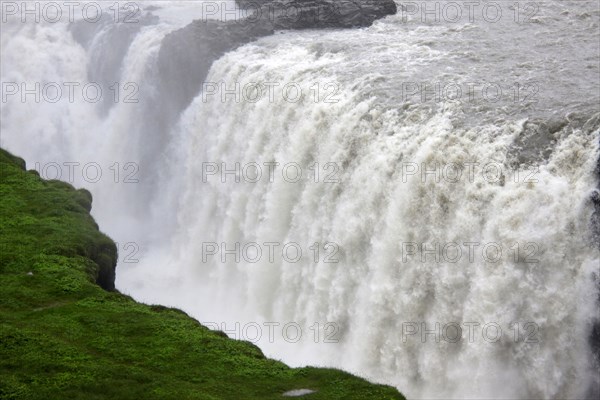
{"x":64,"y":337}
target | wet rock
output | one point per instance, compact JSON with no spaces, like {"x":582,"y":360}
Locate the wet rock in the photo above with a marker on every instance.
{"x":315,"y":14}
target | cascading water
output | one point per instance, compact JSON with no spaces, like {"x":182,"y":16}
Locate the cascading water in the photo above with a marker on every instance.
{"x":387,"y":182}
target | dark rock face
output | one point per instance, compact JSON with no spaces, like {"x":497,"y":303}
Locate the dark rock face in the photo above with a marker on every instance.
{"x":594,"y":389}
{"x":312,"y":14}
{"x":593,"y":125}
{"x":187,"y":54}
{"x":106,"y":259}
{"x":595,"y":198}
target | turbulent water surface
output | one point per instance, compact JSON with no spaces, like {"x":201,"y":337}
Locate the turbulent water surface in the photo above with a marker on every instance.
{"x":505,"y":156}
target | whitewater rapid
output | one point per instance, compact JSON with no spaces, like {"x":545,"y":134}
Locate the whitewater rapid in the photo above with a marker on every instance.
{"x":387,"y":182}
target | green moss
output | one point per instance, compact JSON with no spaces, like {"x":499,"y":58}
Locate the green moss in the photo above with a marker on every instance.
{"x":63,"y":337}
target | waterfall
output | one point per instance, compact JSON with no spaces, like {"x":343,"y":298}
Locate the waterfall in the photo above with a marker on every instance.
{"x":412,"y":218}
{"x":372,"y":294}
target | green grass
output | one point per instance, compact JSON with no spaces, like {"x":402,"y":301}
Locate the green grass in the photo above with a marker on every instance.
{"x":62,"y":336}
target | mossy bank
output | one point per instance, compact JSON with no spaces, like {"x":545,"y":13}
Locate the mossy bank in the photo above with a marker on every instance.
{"x":66,"y":334}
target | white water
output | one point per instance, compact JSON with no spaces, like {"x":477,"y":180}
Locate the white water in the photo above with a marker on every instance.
{"x":371,"y":293}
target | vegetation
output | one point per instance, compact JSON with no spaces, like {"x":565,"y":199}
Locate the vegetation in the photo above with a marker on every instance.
{"x":64,"y":337}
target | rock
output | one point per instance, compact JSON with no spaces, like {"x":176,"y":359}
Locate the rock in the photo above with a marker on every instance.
{"x":536,"y":142}
{"x":315,"y":14}
{"x":187,"y":54}
{"x":591,"y":126}
{"x":298,"y":392}
{"x":595,"y":199}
